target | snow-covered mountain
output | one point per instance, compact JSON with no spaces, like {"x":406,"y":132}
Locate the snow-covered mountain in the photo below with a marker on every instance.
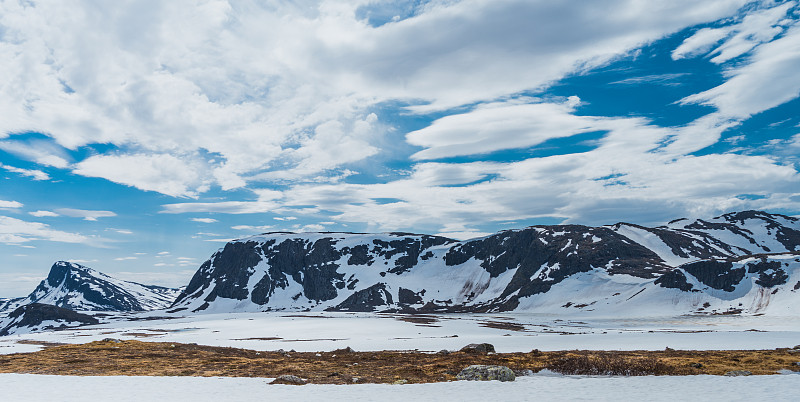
{"x":684,"y":266}
{"x":10,"y":304}
{"x":77,"y":287}
{"x":38,"y":317}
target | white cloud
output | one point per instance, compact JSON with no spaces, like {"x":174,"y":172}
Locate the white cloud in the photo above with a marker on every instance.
{"x":753,"y":87}
{"x":42,"y":214}
{"x":498,"y":126}
{"x":163,"y":173}
{"x":226,"y":93}
{"x":10,"y":204}
{"x":204,"y":220}
{"x":40,"y":151}
{"x":701,"y":42}
{"x":125,"y":258}
{"x":14,"y":231}
{"x":229,"y":207}
{"x":32,"y":173}
{"x":754,"y":29}
{"x":312,"y":228}
{"x":88,"y":215}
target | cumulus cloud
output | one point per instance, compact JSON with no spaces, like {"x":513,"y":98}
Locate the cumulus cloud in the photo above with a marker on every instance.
{"x":234,"y":95}
{"x":42,"y":214}
{"x":280,"y":91}
{"x":164,"y":173}
{"x":10,"y":204}
{"x":639,"y":170}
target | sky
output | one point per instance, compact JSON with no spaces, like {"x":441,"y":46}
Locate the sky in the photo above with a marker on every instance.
{"x":137,"y":137}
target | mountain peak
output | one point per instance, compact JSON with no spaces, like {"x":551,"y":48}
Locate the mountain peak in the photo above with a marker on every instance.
{"x":77,"y":287}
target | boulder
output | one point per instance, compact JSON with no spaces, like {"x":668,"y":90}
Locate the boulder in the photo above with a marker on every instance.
{"x":289,"y":380}
{"x":480,"y":372}
{"x":481,"y":348}
{"x":738,"y":373}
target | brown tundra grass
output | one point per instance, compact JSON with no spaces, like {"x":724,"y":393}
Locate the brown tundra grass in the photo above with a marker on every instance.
{"x":346,"y":366}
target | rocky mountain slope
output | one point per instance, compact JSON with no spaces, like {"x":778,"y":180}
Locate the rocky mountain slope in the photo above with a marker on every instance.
{"x":728,"y":263}
{"x":76,"y":287}
{"x":39,"y":317}
{"x":10,"y":304}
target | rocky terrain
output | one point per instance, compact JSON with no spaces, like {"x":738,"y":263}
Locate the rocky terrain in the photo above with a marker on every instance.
{"x":738,"y":262}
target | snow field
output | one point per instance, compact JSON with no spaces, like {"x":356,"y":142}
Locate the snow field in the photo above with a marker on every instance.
{"x":542,"y":387}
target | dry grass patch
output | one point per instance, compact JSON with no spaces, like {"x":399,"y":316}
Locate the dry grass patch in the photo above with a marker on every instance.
{"x":133,"y":357}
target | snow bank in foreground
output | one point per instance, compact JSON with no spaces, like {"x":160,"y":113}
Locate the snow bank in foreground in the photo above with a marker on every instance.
{"x":28,"y":387}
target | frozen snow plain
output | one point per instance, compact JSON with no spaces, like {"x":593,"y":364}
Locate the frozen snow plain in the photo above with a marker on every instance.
{"x":509,"y":332}
{"x":540,"y":387}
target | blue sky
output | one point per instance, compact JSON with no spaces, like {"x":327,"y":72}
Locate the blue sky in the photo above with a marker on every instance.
{"x":136,"y":137}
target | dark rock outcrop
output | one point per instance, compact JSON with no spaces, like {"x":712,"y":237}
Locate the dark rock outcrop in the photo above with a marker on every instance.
{"x":770,"y":273}
{"x":674,"y":279}
{"x":716,"y":274}
{"x":367,"y":299}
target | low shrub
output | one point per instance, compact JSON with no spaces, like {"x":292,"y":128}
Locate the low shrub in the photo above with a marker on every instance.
{"x":610,"y":364}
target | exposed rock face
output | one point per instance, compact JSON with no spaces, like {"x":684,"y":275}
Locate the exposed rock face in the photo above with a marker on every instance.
{"x":11,"y":304}
{"x":37,"y":316}
{"x":480,"y":372}
{"x":77,"y":287}
{"x":675,"y":280}
{"x":716,"y":274}
{"x":367,"y":299}
{"x":571,"y":267}
{"x":479,"y":348}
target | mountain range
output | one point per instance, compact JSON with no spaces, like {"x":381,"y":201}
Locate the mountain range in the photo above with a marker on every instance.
{"x":738,"y":262}
{"x":743,"y":262}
